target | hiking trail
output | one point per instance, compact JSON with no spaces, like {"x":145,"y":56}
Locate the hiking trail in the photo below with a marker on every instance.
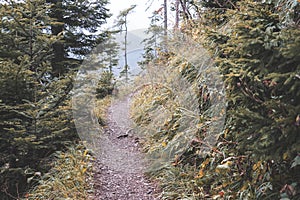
{"x":119,"y":169}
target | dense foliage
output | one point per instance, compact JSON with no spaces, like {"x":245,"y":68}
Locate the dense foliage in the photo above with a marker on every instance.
{"x":105,"y":85}
{"x":256,"y":46}
{"x":35,"y":109}
{"x":77,"y":22}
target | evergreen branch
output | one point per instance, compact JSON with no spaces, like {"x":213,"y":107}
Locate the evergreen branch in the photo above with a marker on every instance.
{"x":247,"y":92}
{"x":20,"y":25}
{"x":56,"y":103}
{"x":22,"y":114}
{"x":287,"y":63}
{"x":232,"y":4}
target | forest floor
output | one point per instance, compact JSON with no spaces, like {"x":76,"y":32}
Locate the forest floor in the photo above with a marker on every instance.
{"x":120,"y":167}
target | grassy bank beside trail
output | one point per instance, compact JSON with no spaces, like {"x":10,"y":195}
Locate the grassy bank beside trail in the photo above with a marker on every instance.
{"x":256,"y":153}
{"x":69,"y":178}
{"x":174,"y":133}
{"x":71,"y":174}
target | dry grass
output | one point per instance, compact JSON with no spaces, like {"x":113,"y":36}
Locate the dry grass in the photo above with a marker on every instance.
{"x":101,"y":109}
{"x":172,"y":112}
{"x":70,"y":177}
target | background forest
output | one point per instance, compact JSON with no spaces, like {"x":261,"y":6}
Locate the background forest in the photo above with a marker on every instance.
{"x":255,"y":45}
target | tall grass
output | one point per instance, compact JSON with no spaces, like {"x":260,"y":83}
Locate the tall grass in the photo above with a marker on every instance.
{"x":69,"y":178}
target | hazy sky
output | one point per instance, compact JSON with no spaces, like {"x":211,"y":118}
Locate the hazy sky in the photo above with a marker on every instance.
{"x":138,"y":22}
{"x":138,"y":19}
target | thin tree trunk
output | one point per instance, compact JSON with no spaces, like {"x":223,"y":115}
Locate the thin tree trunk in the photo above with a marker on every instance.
{"x":165,"y":17}
{"x":186,"y":12}
{"x":177,"y":14}
{"x":110,"y":63}
{"x":125,"y":53}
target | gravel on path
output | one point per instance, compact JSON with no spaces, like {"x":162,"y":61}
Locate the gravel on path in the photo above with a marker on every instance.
{"x":119,"y":169}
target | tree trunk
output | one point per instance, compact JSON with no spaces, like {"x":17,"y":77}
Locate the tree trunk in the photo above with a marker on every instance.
{"x":165,"y":17}
{"x":57,"y":28}
{"x":177,"y":14}
{"x":125,"y":51}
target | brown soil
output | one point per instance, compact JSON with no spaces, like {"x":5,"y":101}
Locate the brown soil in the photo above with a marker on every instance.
{"x":119,"y":169}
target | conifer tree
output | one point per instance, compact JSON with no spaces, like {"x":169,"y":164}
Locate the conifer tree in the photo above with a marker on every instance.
{"x":262,"y":75}
{"x":110,"y":55}
{"x":35,"y":115}
{"x":260,"y":62}
{"x":152,"y":43}
{"x":122,"y":24}
{"x":78,"y":22}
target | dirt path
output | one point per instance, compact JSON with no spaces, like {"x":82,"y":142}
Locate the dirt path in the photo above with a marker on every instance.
{"x":120,"y":168}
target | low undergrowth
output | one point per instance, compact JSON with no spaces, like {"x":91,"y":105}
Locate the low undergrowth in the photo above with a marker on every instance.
{"x":174,"y":119}
{"x":69,"y":178}
{"x":71,"y":174}
{"x":187,"y":166}
{"x":100,"y":109}
{"x":256,"y":153}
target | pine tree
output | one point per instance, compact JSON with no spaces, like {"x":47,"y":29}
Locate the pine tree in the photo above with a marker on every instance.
{"x":78,"y":22}
{"x":152,"y":44}
{"x":110,"y":55}
{"x":122,"y":24}
{"x":35,"y":115}
{"x":260,"y":62}
{"x":261,"y":69}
